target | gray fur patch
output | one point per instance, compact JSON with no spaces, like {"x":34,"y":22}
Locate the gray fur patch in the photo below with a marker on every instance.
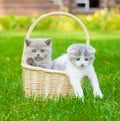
{"x":38,"y":52}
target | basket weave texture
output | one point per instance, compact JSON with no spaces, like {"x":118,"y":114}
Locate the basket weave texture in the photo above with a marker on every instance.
{"x":39,"y":81}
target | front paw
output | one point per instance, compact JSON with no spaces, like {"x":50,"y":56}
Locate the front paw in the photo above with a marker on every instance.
{"x":79,"y":94}
{"x":98,"y":93}
{"x":30,"y":61}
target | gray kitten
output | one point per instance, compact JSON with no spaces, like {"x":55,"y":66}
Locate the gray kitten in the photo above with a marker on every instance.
{"x":78,"y":62}
{"x":38,"y":52}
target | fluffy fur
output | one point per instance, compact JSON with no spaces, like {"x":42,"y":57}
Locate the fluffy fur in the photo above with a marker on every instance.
{"x":38,"y":52}
{"x":78,"y":62}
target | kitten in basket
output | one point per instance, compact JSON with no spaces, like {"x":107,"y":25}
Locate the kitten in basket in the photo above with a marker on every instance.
{"x":78,"y":62}
{"x":38,"y":52}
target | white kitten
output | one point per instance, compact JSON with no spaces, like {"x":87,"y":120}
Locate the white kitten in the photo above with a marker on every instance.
{"x":78,"y":62}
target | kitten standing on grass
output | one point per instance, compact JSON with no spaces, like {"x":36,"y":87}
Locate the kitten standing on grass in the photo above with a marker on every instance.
{"x":38,"y":52}
{"x":78,"y":62}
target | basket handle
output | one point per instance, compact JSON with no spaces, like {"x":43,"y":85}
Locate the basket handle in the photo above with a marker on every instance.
{"x":59,"y":13}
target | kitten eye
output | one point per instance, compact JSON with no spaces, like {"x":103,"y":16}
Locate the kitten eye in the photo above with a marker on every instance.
{"x":33,"y":50}
{"x":77,"y":59}
{"x":86,"y":59}
{"x":42,"y":50}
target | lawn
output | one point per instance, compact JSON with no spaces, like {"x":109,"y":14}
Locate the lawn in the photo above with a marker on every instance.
{"x":14,"y":106}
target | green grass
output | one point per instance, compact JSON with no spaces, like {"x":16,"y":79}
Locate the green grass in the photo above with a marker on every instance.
{"x":14,"y":106}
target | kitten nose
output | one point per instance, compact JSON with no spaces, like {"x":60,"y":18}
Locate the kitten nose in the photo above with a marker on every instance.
{"x":82,"y":65}
{"x":38,"y":54}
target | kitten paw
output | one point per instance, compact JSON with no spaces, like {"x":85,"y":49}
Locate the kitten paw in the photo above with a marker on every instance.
{"x":98,"y":93}
{"x":30,"y":61}
{"x":79,"y":95}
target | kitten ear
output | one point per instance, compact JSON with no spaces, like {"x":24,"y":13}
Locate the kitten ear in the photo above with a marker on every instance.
{"x":48,"y":41}
{"x":27,"y":42}
{"x":70,"y":51}
{"x":91,"y":50}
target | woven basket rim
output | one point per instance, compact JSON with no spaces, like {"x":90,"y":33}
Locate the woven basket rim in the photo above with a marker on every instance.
{"x":43,"y":69}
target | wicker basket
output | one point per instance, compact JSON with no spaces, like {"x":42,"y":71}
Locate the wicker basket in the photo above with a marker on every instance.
{"x":47,"y":82}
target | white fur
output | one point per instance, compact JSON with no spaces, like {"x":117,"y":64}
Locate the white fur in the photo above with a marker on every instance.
{"x":76,"y":74}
